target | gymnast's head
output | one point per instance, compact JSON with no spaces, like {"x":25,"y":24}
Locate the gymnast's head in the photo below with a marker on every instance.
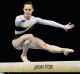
{"x":28,"y":8}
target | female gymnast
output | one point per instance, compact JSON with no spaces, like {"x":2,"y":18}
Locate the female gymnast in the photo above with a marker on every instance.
{"x":25,"y":41}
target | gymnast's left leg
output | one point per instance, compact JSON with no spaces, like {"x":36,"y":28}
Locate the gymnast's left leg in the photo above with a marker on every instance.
{"x":51,"y":48}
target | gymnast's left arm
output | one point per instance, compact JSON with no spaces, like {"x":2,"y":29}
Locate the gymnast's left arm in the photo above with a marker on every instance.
{"x":54,"y":24}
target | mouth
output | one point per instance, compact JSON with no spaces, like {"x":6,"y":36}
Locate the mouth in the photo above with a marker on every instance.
{"x":27,"y":13}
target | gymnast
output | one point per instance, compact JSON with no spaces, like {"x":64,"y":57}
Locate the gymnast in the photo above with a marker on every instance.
{"x":24,"y":41}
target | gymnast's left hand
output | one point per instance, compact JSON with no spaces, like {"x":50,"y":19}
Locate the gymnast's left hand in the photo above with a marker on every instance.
{"x":68,"y":26}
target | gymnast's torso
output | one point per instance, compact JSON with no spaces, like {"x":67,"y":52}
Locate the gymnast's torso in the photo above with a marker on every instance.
{"x":22,"y":24}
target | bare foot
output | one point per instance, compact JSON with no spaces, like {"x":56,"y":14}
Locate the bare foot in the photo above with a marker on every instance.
{"x":24,"y":58}
{"x":67,"y":51}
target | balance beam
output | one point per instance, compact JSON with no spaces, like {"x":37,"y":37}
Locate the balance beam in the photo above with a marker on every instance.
{"x":48,"y":66}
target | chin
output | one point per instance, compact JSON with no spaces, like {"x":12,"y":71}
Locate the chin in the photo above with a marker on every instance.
{"x":28,"y":15}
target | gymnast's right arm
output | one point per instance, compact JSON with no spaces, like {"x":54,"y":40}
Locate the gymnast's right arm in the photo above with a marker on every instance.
{"x":19,"y":20}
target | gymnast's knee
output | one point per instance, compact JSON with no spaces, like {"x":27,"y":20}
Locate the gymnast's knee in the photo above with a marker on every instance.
{"x":27,"y":36}
{"x":30,"y":37}
{"x":14,"y":43}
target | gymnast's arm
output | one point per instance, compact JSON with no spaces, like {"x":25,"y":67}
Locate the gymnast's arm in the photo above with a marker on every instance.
{"x":19,"y":20}
{"x":54,"y":24}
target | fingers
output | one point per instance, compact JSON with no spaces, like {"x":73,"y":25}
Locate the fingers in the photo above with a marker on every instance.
{"x":68,"y":26}
{"x":69,"y":23}
{"x":72,"y":25}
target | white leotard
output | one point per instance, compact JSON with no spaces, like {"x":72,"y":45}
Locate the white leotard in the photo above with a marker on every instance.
{"x":32,"y":21}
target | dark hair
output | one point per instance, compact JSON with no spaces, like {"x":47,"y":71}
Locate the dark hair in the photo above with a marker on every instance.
{"x":28,"y":2}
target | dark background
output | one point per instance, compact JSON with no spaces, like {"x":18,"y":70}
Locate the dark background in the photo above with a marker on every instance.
{"x":59,"y":11}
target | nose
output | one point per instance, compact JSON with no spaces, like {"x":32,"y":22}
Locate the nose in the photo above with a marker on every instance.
{"x":27,"y":11}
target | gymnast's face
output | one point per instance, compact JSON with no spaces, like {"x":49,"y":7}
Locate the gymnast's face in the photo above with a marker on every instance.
{"x":28,"y":9}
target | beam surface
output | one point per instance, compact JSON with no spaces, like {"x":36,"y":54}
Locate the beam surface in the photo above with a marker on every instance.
{"x":48,"y":66}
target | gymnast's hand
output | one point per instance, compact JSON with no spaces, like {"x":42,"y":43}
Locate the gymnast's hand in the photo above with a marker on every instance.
{"x":68,"y":26}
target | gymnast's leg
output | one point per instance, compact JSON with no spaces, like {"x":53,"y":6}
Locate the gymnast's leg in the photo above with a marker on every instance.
{"x":23,"y":43}
{"x":51,"y":48}
{"x":28,"y":41}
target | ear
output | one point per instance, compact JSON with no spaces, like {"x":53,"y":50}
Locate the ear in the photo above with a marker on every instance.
{"x":33,"y":9}
{"x":23,"y":9}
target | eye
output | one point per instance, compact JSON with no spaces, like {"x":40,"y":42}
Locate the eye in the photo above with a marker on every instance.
{"x":29,"y":9}
{"x":26,"y":9}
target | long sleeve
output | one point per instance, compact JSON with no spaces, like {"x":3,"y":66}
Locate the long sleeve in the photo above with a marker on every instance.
{"x":18,"y":21}
{"x":49,"y":22}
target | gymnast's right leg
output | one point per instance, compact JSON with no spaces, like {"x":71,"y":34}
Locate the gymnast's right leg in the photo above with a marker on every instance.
{"x":23,"y":43}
